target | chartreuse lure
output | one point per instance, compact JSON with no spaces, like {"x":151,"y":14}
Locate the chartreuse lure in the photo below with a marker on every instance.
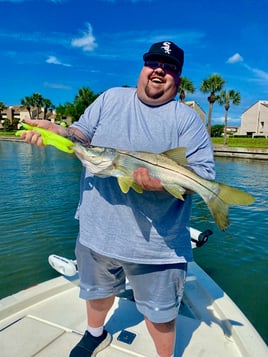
{"x":49,"y":138}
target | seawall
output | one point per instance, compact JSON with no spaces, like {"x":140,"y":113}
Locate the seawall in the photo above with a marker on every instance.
{"x":219,"y":150}
{"x":238,"y":152}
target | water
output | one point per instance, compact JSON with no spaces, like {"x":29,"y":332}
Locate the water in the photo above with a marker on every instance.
{"x":39,"y":189}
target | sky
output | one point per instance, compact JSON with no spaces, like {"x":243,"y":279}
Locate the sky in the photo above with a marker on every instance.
{"x":55,"y":47}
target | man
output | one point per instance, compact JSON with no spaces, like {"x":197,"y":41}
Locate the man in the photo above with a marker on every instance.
{"x":142,"y":236}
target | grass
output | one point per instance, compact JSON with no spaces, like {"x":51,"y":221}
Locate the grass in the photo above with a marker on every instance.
{"x":261,"y":143}
{"x":7,"y":133}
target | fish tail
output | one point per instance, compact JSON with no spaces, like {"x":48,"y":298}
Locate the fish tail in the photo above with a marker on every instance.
{"x":219,"y":204}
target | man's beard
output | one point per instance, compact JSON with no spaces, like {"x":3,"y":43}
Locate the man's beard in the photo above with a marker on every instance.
{"x":156,"y":95}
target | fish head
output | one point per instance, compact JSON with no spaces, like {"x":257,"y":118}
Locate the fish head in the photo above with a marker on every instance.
{"x":98,"y":160}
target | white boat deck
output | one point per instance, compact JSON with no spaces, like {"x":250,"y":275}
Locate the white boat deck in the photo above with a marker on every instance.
{"x":49,"y":319}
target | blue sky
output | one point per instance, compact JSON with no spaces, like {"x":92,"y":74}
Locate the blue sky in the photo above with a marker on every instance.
{"x":55,"y":47}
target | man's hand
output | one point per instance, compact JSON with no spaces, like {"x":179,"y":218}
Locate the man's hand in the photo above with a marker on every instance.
{"x":145,"y":181}
{"x":34,"y":138}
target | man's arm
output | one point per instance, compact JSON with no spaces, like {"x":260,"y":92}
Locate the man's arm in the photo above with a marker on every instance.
{"x":34,"y":138}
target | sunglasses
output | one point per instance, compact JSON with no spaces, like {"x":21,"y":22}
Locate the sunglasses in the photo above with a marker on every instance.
{"x":170,"y":67}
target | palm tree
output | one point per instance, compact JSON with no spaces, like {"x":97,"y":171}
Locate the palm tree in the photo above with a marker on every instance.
{"x":37,"y":100}
{"x":82,"y":100}
{"x":212,"y":85}
{"x":224,"y":98}
{"x":47,"y":104}
{"x":187,"y":86}
{"x":34,"y":103}
{"x":85,"y":96}
{"x":27,"y":103}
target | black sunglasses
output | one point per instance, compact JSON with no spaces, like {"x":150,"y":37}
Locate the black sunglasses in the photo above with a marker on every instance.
{"x":170,"y":67}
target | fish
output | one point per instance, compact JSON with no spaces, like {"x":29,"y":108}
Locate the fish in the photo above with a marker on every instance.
{"x":170,"y":168}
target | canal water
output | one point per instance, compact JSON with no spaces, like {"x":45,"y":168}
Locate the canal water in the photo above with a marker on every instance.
{"x":39,"y":189}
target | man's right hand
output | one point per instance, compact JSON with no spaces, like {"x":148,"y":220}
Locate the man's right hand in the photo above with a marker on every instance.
{"x":34,"y":138}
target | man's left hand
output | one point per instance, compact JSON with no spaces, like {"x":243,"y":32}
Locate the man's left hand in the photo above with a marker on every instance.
{"x":145,"y":181}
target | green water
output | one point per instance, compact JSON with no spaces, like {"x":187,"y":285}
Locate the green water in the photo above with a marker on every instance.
{"x":39,"y":192}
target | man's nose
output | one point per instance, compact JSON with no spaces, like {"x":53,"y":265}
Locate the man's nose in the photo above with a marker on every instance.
{"x":160,"y":70}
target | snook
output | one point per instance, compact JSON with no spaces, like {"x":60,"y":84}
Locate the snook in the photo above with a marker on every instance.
{"x":169,"y":168}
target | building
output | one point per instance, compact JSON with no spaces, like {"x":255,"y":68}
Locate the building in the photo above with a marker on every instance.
{"x":254,"y":121}
{"x":194,"y":105}
{"x":13,"y":114}
{"x":232,"y":130}
{"x":16,"y":114}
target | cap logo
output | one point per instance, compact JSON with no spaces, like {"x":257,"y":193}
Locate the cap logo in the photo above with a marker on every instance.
{"x":166,"y":47}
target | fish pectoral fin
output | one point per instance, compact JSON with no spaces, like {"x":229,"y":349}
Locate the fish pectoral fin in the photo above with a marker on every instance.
{"x":178,"y":155}
{"x":127,"y":182}
{"x":136,"y":187}
{"x":175,"y":191}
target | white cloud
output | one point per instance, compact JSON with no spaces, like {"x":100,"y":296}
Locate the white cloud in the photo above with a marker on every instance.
{"x":235,"y":58}
{"x":87,"y":41}
{"x":260,"y":74}
{"x":57,"y":86}
{"x":54,"y":60}
{"x":235,"y":121}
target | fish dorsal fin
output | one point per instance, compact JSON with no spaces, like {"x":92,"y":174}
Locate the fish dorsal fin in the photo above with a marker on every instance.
{"x":178,"y":155}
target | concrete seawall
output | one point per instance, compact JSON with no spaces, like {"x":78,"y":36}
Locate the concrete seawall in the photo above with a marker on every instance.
{"x":244,"y":153}
{"x":219,"y":150}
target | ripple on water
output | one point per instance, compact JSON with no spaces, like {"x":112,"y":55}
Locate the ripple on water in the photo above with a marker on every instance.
{"x":40,"y":190}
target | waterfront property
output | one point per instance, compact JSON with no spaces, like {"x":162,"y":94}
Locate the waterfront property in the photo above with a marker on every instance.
{"x":17,"y":113}
{"x":194,"y":105}
{"x":254,"y":120}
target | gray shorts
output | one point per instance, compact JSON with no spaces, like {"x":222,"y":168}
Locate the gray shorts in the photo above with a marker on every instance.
{"x":157,"y":289}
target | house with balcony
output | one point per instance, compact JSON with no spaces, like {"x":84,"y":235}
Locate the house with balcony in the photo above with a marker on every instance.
{"x":254,"y":121}
{"x":16,"y":114}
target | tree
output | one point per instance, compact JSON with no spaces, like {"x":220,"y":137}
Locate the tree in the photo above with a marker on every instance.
{"x":212,"y":85}
{"x":225,"y":98}
{"x":47,"y":105}
{"x":34,"y":103}
{"x":217,"y":130}
{"x":85,"y":96}
{"x":37,"y":101}
{"x":82,"y":100}
{"x":186,"y":86}
{"x":27,"y":103}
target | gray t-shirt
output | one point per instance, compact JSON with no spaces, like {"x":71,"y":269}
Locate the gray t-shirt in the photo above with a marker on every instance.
{"x":152,"y":227}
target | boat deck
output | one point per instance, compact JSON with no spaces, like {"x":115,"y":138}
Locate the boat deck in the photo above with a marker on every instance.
{"x":49,"y":319}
